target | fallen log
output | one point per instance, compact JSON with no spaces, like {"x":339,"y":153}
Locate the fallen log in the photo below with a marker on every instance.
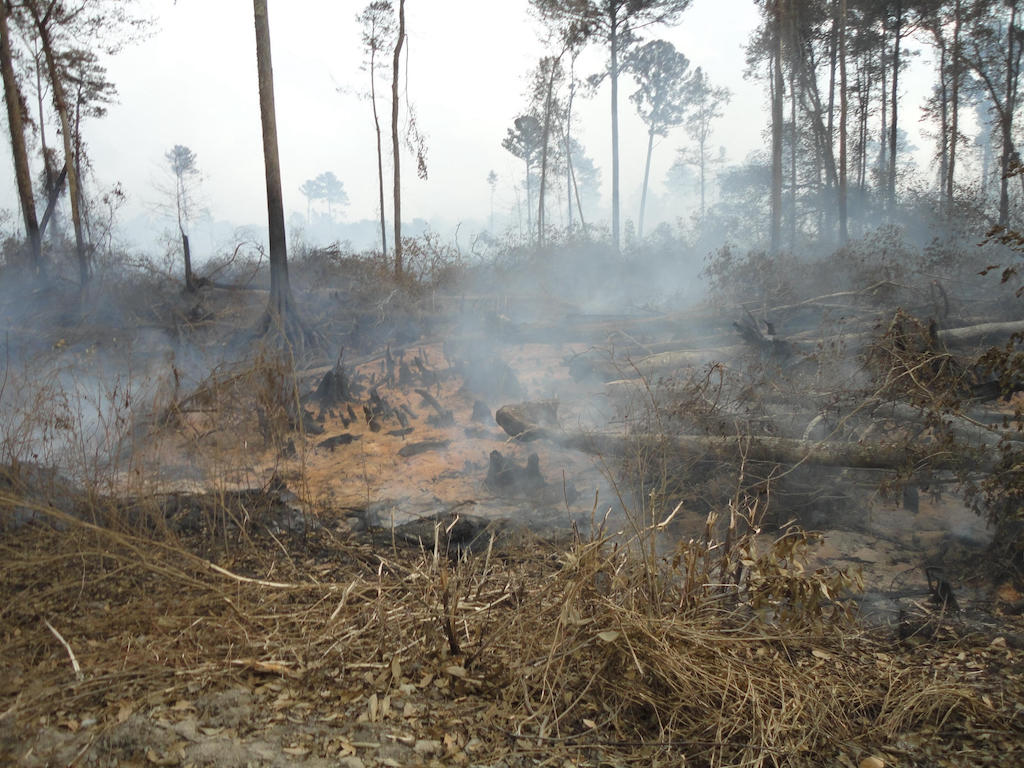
{"x":608,"y":367}
{"x":984,"y":333}
{"x":970,"y":431}
{"x":778,"y":450}
{"x":975,"y":428}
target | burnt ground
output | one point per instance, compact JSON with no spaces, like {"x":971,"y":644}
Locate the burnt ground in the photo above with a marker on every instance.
{"x":261,"y":570}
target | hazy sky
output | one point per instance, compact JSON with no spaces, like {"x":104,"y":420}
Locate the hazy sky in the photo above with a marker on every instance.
{"x":194,"y":83}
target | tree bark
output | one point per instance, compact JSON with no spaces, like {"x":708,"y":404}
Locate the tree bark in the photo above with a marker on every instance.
{"x":568,"y":151}
{"x":15,"y":122}
{"x":544,"y":148}
{"x":529,"y":200}
{"x":793,"y":142}
{"x":954,"y":105}
{"x":280,"y":305}
{"x":576,"y":191}
{"x":779,"y":450}
{"x":186,"y":249}
{"x":702,"y":148}
{"x":43,"y":146}
{"x":647,"y":176}
{"x":883,"y":135}
{"x":51,"y":200}
{"x":61,"y":106}
{"x":814,"y":110}
{"x":864,"y":101}
{"x":833,"y":68}
{"x":844,"y":234}
{"x":613,"y":40}
{"x":395,"y":150}
{"x":777,"y":83}
{"x":380,"y":152}
{"x":894,"y":104}
{"x":1009,"y":105}
{"x":943,"y":96}
{"x":669,"y":362}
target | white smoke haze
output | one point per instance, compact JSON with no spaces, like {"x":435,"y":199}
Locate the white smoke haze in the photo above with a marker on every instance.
{"x":733,"y":476}
{"x":677,"y":333}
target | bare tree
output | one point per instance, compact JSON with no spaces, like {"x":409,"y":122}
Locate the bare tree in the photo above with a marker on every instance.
{"x":662,"y":98}
{"x":327,"y":187}
{"x":377,"y":20}
{"x":43,"y":22}
{"x":15,"y":122}
{"x":706,"y":102}
{"x":524,"y":141}
{"x":945,"y":24}
{"x":611,"y":21}
{"x":492,"y":182}
{"x":70,"y":36}
{"x":182,"y":162}
{"x":994,"y":51}
{"x":549,"y":72}
{"x":281,"y":315}
{"x":777,"y":10}
{"x":399,"y":40}
{"x":310,"y":189}
{"x":844,"y":234}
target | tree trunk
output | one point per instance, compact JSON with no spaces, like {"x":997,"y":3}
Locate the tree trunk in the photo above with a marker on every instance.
{"x":780,"y":450}
{"x":380,"y":160}
{"x":544,"y":149}
{"x":863,"y":87}
{"x":793,"y":140}
{"x":529,"y":200}
{"x":61,"y":106}
{"x":579,"y":204}
{"x":844,"y":235}
{"x":186,"y":249}
{"x":883,"y":139}
{"x":394,"y":138}
{"x":833,"y":67}
{"x":702,"y":148}
{"x":568,"y":187}
{"x":814,"y":110}
{"x":943,"y":116}
{"x":776,"y":192}
{"x":954,"y":105}
{"x":190,"y":281}
{"x":1006,"y":115}
{"x":568,"y":148}
{"x":668,"y":362}
{"x":52,"y":186}
{"x":613,"y":39}
{"x":280,"y":307}
{"x":22,"y":173}
{"x":51,"y":200}
{"x":894,"y":104}
{"x":647,"y":176}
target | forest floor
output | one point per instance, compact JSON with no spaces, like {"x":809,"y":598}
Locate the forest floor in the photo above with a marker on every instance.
{"x":237,"y":592}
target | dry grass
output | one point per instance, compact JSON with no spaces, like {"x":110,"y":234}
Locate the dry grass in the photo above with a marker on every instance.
{"x":598,"y":650}
{"x":585,"y":652}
